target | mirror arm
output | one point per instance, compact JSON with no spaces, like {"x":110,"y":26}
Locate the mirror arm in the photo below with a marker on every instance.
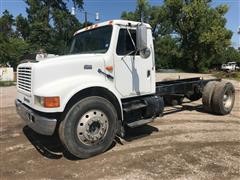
{"x":129,"y":54}
{"x":131,"y":38}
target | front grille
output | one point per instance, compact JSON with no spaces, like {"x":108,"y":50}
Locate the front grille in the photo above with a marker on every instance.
{"x":24,"y":78}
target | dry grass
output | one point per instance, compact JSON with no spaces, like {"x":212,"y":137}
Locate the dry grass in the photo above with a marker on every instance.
{"x":227,"y":75}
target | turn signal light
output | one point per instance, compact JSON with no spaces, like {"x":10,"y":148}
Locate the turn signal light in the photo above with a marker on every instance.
{"x":51,"y":102}
{"x":109,"y":68}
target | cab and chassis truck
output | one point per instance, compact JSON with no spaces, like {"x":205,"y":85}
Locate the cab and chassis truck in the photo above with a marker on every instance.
{"x":106,"y":84}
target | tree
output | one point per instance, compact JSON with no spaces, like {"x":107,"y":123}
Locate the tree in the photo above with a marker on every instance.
{"x":201,"y":29}
{"x":196,"y":29}
{"x":22,"y":27}
{"x":51,"y":24}
{"x":6,"y":23}
{"x":167,"y":52}
{"x":166,"y":49}
{"x":11,"y":46}
{"x":141,"y":12}
{"x":228,"y":55}
{"x":65,"y":26}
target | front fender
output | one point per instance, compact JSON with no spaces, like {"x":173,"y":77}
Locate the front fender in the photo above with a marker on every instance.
{"x":66,"y":88}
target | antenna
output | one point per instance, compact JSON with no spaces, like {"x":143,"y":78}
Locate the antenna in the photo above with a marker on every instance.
{"x":97,"y":16}
{"x":141,"y":17}
{"x":85,"y":17}
{"x":73,"y":11}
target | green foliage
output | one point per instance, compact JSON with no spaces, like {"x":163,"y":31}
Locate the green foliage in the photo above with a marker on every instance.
{"x":7,"y":83}
{"x":6,"y":23}
{"x":202,"y":31}
{"x":142,"y":11}
{"x":11,"y":46}
{"x":49,"y":26}
{"x":189,"y":34}
{"x":65,"y":26}
{"x":228,"y":55}
{"x":167,"y":52}
{"x":22,"y":27}
{"x":18,"y":48}
{"x":12,"y":49}
{"x":227,"y":75}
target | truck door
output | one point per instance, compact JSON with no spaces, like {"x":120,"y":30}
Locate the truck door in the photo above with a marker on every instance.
{"x":134,"y":75}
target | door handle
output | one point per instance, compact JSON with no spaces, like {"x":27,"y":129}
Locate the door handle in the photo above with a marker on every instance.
{"x":105,"y":74}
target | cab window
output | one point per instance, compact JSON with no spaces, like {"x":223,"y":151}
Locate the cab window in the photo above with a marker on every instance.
{"x":124,"y":44}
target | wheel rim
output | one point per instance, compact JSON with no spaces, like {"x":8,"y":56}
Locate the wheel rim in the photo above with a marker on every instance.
{"x":92,"y":127}
{"x":228,"y":99}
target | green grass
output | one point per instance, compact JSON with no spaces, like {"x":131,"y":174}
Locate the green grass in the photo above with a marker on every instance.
{"x":7,"y":83}
{"x":226,"y":75}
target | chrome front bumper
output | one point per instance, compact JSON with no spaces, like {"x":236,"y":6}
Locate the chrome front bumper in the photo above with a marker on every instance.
{"x":40,"y":124}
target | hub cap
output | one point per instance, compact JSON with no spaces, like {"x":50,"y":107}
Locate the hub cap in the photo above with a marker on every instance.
{"x":227,"y":99}
{"x":92,"y":127}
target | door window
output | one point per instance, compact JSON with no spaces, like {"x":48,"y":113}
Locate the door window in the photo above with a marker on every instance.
{"x":124,"y":44}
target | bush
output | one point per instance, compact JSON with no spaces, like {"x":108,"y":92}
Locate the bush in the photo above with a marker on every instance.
{"x":7,"y":83}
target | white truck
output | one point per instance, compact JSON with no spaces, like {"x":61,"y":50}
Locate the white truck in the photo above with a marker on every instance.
{"x":230,"y":66}
{"x":105,"y":84}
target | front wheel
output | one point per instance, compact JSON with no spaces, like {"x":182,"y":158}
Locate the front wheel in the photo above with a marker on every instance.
{"x":89,"y":127}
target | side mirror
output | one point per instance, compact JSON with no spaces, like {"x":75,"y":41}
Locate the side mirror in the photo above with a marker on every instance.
{"x":141,"y":33}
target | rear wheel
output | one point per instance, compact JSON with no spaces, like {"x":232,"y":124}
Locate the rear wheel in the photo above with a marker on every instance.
{"x":89,"y":127}
{"x":223,"y":98}
{"x":207,"y":95}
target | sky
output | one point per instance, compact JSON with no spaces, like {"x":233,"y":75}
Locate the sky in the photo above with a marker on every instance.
{"x":112,"y":9}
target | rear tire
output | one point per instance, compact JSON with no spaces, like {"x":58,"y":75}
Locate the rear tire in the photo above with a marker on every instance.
{"x":223,"y":98}
{"x":89,"y":127}
{"x":207,"y":95}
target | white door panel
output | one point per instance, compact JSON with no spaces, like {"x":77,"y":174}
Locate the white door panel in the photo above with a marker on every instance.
{"x":133,"y":74}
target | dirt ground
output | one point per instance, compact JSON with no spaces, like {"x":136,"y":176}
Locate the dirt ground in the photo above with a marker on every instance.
{"x":185,"y":143}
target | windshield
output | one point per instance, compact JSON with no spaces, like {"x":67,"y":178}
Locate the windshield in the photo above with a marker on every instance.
{"x":92,"y":41}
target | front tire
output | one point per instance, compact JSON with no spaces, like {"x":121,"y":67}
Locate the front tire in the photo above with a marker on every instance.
{"x":89,"y":127}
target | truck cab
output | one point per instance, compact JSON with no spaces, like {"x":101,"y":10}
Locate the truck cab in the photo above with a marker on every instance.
{"x":105,"y":83}
{"x":101,"y":55}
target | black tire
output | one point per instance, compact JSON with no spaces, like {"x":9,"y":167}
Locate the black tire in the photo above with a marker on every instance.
{"x":69,"y":127}
{"x":223,"y":98}
{"x":207,"y":95}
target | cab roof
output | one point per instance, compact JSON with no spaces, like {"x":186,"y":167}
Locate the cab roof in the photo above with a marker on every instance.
{"x":111,"y":22}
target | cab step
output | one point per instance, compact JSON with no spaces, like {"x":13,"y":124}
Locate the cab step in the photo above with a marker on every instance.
{"x":133,"y":105}
{"x":139,"y":122}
